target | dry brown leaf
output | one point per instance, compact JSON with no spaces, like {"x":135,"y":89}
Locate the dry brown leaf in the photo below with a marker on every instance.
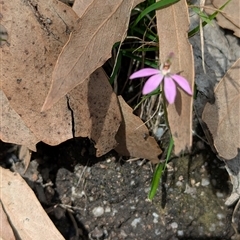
{"x":172,"y":25}
{"x":101,"y":25}
{"x":35,"y":39}
{"x":96,"y":111}
{"x":229,"y":18}
{"x":23,"y":209}
{"x":80,"y":6}
{"x":12,"y":127}
{"x":25,"y":156}
{"x":133,"y":136}
{"x":223,"y":117}
{"x":6,"y":232}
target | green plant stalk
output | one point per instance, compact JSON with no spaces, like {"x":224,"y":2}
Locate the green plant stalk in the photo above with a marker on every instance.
{"x":116,"y":68}
{"x":161,"y":167}
{"x":156,"y":180}
{"x":211,"y":17}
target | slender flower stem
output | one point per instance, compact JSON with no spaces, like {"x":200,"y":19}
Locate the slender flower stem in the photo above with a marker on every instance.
{"x":161,"y":167}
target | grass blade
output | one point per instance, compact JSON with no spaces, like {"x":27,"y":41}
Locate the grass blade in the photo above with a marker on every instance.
{"x":159,"y":172}
{"x":158,"y":5}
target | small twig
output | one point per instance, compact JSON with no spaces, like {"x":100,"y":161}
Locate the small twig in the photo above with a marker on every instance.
{"x":74,"y":223}
{"x":84,"y":169}
{"x":158,"y":106}
{"x":234,"y":225}
{"x":202,"y":3}
{"x":71,"y":208}
{"x":132,"y":159}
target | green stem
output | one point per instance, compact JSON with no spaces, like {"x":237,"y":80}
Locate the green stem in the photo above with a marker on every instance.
{"x":161,"y":167}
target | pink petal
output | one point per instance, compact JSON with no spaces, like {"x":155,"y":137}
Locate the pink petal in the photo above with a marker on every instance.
{"x":145,"y":72}
{"x":183,"y":83}
{"x":152,"y":83}
{"x":170,"y":89}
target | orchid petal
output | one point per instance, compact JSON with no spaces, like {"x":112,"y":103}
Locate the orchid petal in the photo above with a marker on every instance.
{"x":145,"y":72}
{"x":152,"y":83}
{"x":170,"y":89}
{"x":183,"y":83}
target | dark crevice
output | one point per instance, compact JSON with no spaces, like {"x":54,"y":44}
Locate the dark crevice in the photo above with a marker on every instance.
{"x":72,"y":115}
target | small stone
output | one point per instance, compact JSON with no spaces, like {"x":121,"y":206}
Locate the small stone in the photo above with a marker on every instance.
{"x":98,"y":211}
{"x":107,"y":209}
{"x":197,"y":184}
{"x":219,"y":194}
{"x":179,"y":183}
{"x":190,"y":190}
{"x":220,"y":216}
{"x":174,"y":225}
{"x":180,"y":178}
{"x":180,"y":233}
{"x":212,"y":227}
{"x":192,"y":181}
{"x":157,"y":232}
{"x":97,"y":233}
{"x":135,"y":222}
{"x":156,"y":216}
{"x":205,"y":182}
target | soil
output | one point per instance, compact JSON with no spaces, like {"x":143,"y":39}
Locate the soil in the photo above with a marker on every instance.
{"x":106,"y":198}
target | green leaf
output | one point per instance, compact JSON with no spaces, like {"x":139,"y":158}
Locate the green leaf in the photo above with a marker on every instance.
{"x":146,"y":62}
{"x":156,"y":180}
{"x":151,"y":36}
{"x":211,"y":17}
{"x":159,"y":172}
{"x":202,"y":15}
{"x":158,"y":5}
{"x":116,"y":68}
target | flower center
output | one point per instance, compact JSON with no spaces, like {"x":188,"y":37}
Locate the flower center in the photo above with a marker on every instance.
{"x":165,"y":68}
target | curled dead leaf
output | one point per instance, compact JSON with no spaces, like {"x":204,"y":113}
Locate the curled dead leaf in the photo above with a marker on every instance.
{"x":133,"y":136}
{"x":96,"y":111}
{"x":229,"y":18}
{"x":23,"y":209}
{"x":90,"y":44}
{"x":12,"y":127}
{"x":223,"y":117}
{"x":35,"y":40}
{"x":6,"y":231}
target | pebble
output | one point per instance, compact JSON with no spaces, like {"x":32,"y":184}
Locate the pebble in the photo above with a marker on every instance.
{"x":157,"y":232}
{"x":97,"y":233}
{"x":219,"y":194}
{"x":212,"y":227}
{"x":114,"y":212}
{"x":190,"y":190}
{"x":98,"y":211}
{"x":107,"y":209}
{"x":135,"y":222}
{"x":132,"y":183}
{"x":180,"y":178}
{"x":155,"y":217}
{"x":91,"y":199}
{"x":197,"y":184}
{"x":174,"y":225}
{"x":205,"y":182}
{"x":220,"y":216}
{"x":179,"y":183}
{"x":180,"y":233}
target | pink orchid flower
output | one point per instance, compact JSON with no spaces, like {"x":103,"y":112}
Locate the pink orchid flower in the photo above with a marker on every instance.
{"x":170,"y":81}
